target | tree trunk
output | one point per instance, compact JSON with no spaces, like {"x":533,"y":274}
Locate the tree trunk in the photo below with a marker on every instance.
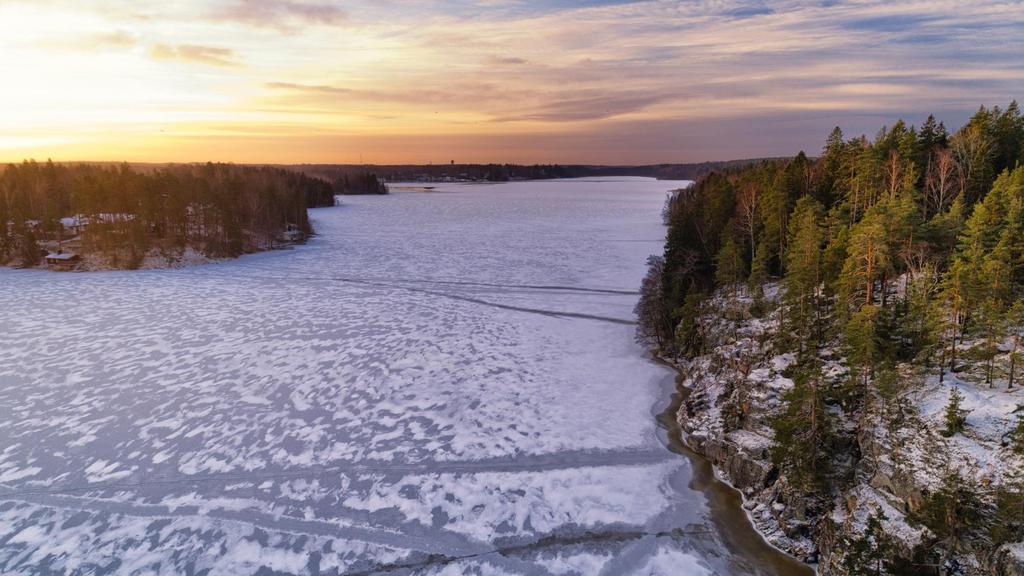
{"x":952,"y":340}
{"x":885,"y":288}
{"x":1013,"y":359}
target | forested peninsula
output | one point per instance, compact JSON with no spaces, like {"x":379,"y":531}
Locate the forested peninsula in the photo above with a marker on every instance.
{"x":848,"y":332}
{"x":94,"y":217}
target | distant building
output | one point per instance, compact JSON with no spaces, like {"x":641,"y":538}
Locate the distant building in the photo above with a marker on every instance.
{"x":73,"y":224}
{"x":62,"y":260}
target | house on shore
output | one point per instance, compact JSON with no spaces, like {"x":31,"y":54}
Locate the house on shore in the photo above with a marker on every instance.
{"x":62,"y":260}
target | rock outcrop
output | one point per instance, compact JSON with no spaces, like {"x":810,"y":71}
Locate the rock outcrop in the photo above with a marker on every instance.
{"x":891,"y":461}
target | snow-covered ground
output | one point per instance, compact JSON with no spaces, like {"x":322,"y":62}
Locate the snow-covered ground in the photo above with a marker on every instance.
{"x":439,"y":382}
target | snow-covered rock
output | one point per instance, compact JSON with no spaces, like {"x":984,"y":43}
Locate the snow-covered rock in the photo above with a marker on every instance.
{"x":898,"y":457}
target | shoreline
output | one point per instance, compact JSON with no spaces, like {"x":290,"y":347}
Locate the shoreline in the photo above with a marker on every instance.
{"x":724,"y":500}
{"x":92,"y":263}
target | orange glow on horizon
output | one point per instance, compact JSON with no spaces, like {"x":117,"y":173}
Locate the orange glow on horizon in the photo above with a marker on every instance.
{"x":509,"y":82}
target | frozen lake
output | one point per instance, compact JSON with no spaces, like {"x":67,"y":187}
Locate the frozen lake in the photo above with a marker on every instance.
{"x":440,"y":382}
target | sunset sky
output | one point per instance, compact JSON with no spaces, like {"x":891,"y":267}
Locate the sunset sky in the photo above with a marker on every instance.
{"x":420,"y":81}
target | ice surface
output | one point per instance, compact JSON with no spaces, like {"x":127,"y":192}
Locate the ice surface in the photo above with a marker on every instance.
{"x":439,"y":382}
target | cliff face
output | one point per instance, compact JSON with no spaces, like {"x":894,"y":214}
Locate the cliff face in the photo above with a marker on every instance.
{"x":888,"y":460}
{"x":736,"y":388}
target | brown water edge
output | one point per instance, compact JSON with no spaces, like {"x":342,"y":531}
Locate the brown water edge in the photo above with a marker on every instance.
{"x":725,"y":501}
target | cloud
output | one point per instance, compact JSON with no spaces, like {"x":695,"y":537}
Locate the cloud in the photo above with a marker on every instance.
{"x":209,"y":55}
{"x":666,"y":79}
{"x":586,"y":107}
{"x":452,"y":94}
{"x":281,"y":13}
{"x":117,"y":39}
{"x":506,"y":60}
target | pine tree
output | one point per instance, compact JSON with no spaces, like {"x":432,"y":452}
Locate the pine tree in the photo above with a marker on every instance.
{"x":956,"y":515}
{"x":775,"y":207}
{"x":955,"y":416}
{"x":870,"y":553}
{"x":1008,"y":525}
{"x":863,"y":350}
{"x":867,"y":262}
{"x":990,"y":318}
{"x":803,"y":430}
{"x":30,"y":251}
{"x":918,"y":326}
{"x":730,"y":269}
{"x":803,"y":271}
{"x":759,"y":268}
{"x":958,"y":282}
{"x":834,"y":256}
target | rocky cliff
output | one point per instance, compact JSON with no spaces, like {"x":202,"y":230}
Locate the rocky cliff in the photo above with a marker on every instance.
{"x":888,"y":459}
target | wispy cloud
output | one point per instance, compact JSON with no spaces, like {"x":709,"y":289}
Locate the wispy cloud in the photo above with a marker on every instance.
{"x":117,"y":39}
{"x":506,"y":60}
{"x":581,"y":107}
{"x":209,"y":55}
{"x":611,"y":80}
{"x":281,"y":13}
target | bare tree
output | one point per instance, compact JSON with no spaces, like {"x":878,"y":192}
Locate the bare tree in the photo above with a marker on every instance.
{"x":972,"y":149}
{"x":654,"y":325}
{"x":746,"y":208}
{"x":893,"y":174}
{"x":941,"y":181}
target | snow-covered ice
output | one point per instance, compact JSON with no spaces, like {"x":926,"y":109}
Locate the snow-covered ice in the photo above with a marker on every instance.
{"x":439,"y":382}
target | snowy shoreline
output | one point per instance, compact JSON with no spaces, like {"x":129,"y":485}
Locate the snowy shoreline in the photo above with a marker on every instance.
{"x":693,"y":452}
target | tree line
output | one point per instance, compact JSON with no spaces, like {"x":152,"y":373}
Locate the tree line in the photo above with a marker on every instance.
{"x":338,"y":173}
{"x":893,"y":251}
{"x":123,"y":213}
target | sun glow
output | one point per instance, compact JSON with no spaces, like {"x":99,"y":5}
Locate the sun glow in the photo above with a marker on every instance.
{"x":254,"y":81}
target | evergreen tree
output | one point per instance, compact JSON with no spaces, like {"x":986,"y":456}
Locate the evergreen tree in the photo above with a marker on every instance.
{"x":803,"y":431}
{"x":920,"y":325}
{"x":730,"y":268}
{"x":955,"y":416}
{"x":759,"y":268}
{"x":958,"y":283}
{"x":834,"y":258}
{"x":776,"y":205}
{"x":1008,"y":524}
{"x":867,"y":262}
{"x":870,"y":553}
{"x":956,"y":515}
{"x":803,"y":271}
{"x":990,"y":318}
{"x":863,"y":350}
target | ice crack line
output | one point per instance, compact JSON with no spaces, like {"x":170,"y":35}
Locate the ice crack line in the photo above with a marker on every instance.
{"x":538,"y":545}
{"x":429,"y":541}
{"x":441,"y":546}
{"x":529,"y":463}
{"x":541,"y":311}
{"x":454,"y":282}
